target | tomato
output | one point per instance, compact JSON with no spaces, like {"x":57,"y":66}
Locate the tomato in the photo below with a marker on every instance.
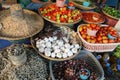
{"x":71,"y":4}
{"x":105,"y":41}
{"x":111,"y":41}
{"x":84,"y":36}
{"x":99,"y":38}
{"x":53,"y":18}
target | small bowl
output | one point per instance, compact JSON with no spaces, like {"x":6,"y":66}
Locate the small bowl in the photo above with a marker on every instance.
{"x":91,"y":32}
{"x":110,"y":36}
{"x":85,"y":3}
{"x":84,"y":74}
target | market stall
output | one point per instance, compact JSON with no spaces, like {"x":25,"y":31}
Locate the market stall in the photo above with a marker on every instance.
{"x":76,"y":42}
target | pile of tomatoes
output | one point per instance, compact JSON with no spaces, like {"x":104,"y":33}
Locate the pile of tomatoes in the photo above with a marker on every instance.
{"x":60,"y":14}
{"x":101,"y":35}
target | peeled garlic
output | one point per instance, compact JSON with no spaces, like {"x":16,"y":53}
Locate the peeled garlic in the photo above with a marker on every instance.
{"x":53,"y":55}
{"x":62,"y":48}
{"x":48,"y":44}
{"x":59,"y":55}
{"x":67,"y":45}
{"x":64,"y":55}
{"x":57,"y":50}
{"x":47,"y":53}
{"x":67,"y":50}
{"x":42,"y":45}
{"x":54,"y":38}
{"x":65,"y":39}
{"x":38,"y":42}
{"x":46,"y":39}
{"x":77,"y":46}
{"x":60,"y":43}
{"x":70,"y":53}
{"x":37,"y":45}
{"x":42,"y":41}
{"x":41,"y":50}
{"x":50,"y":39}
{"x":71,"y":46}
{"x":74,"y":50}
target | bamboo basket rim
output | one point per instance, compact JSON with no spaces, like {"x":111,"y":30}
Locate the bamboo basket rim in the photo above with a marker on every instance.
{"x":57,"y":22}
{"x":56,"y":59}
{"x":83,"y":7}
{"x":7,"y":37}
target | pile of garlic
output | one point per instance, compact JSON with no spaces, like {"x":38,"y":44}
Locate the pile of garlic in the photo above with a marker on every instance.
{"x":57,"y":48}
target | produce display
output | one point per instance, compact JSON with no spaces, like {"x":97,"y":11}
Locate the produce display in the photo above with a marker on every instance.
{"x":57,"y":43}
{"x":61,"y":43}
{"x":60,"y":14}
{"x":92,"y":17}
{"x":105,"y":34}
{"x":112,"y":12}
{"x":74,"y":70}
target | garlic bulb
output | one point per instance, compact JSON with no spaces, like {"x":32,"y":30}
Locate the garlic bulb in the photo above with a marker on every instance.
{"x":65,"y":39}
{"x":74,"y":50}
{"x":46,"y":39}
{"x":70,"y":53}
{"x":41,"y":50}
{"x":67,"y":45}
{"x":77,"y":46}
{"x":54,"y":38}
{"x":51,"y":39}
{"x":48,"y":44}
{"x":60,"y":43}
{"x":64,"y":55}
{"x":59,"y":55}
{"x":53,"y":55}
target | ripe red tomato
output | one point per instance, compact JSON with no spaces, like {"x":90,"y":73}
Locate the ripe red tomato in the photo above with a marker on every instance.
{"x":111,"y":41}
{"x":71,"y":4}
{"x":99,"y":38}
{"x":53,"y":18}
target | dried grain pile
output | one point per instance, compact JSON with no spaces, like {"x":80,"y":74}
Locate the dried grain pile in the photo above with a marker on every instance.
{"x":19,"y":23}
{"x":34,"y":69}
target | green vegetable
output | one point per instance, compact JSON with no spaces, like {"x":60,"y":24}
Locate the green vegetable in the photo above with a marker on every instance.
{"x":112,"y":11}
{"x":117,"y":51}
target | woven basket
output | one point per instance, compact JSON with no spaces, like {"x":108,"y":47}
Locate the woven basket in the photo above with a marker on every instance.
{"x":110,"y":19}
{"x":34,"y":24}
{"x":89,"y":59}
{"x":109,"y":15}
{"x":33,"y":42}
{"x":56,"y":23}
{"x":97,"y":47}
{"x":83,"y":7}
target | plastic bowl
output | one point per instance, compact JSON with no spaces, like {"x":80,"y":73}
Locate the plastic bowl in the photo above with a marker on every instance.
{"x":89,"y":59}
